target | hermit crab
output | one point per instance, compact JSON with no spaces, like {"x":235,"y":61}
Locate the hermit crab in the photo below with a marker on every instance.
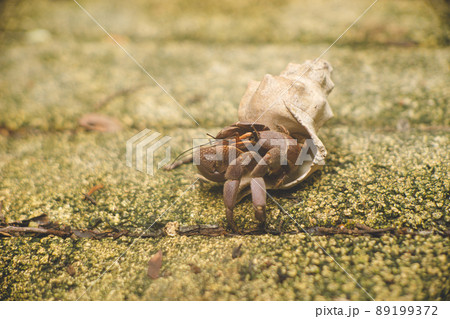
{"x":275,"y":144}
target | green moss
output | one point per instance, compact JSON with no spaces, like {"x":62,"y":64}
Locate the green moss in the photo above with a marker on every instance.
{"x":271,"y":268}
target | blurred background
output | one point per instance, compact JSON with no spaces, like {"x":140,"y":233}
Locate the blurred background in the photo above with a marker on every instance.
{"x":57,"y":64}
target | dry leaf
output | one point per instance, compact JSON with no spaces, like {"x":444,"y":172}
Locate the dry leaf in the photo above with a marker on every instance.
{"x":154,"y":265}
{"x":195,"y":269}
{"x":5,"y":234}
{"x":40,"y":220}
{"x":99,"y":122}
{"x":236,"y":252}
{"x":71,"y":270}
{"x":83,"y":233}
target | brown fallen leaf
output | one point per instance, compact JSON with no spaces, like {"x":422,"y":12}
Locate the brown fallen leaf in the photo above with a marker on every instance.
{"x":5,"y":234}
{"x":83,"y":234}
{"x":236,"y":252}
{"x":154,"y":265}
{"x":40,"y":220}
{"x":99,"y":122}
{"x":71,"y":270}
{"x":120,"y":234}
{"x":195,"y":269}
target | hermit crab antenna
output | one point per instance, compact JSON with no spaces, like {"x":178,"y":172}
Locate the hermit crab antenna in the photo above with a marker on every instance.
{"x":184,"y":153}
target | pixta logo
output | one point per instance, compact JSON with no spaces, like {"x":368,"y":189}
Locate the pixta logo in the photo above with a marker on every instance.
{"x":222,"y":150}
{"x":145,"y":146}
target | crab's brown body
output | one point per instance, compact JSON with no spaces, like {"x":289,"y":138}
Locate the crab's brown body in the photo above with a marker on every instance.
{"x":250,"y":158}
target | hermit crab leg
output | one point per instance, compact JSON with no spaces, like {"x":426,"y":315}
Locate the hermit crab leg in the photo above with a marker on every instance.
{"x":230,"y":192}
{"x":270,"y":163}
{"x":237,"y":168}
{"x":258,"y":187}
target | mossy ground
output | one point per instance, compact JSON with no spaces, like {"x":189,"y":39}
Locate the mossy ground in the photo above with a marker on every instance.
{"x":388,"y":163}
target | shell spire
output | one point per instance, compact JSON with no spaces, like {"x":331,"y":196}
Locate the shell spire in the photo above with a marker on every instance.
{"x":296,"y":99}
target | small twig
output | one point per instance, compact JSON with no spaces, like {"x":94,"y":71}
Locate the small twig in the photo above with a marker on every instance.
{"x":345,"y":231}
{"x":11,"y":230}
{"x":46,"y":228}
{"x":87,"y":196}
{"x":364,"y":227}
{"x":93,"y":189}
{"x":204,"y":230}
{"x":2,"y":218}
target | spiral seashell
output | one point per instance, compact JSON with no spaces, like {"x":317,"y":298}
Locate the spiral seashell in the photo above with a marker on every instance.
{"x":295,"y":99}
